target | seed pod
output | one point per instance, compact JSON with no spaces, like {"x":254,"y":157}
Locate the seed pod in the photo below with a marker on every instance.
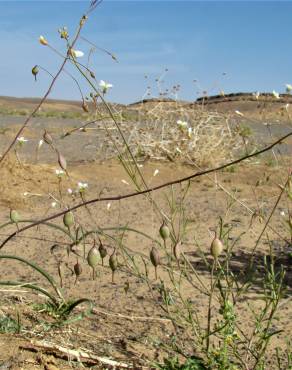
{"x":164,"y":231}
{"x":79,"y":234}
{"x":43,"y":41}
{"x":93,"y":259}
{"x":14,"y":216}
{"x":85,"y":107}
{"x":77,"y":270}
{"x":216,"y":247}
{"x":177,"y":250}
{"x":155,"y":259}
{"x":113,"y":263}
{"x":35,"y":71}
{"x":62,"y":162}
{"x":47,"y":138}
{"x":68,"y":219}
{"x":102,"y":251}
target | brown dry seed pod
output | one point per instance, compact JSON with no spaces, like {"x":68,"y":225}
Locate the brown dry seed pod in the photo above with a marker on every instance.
{"x":113,"y":263}
{"x":154,"y":257}
{"x":177,"y":250}
{"x":102,"y":251}
{"x":62,"y":162}
{"x":85,"y":107}
{"x":47,"y":138}
{"x":77,"y":269}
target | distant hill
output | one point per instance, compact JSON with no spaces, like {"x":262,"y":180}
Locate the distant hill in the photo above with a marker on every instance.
{"x":265,"y":107}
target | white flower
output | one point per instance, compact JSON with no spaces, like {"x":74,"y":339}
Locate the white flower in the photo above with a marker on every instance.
{"x":77,"y":53}
{"x":190,"y":132}
{"x":82,"y":186}
{"x":182,"y":124}
{"x":40,"y":143}
{"x":239,"y":113}
{"x":288,"y":88}
{"x":70,"y":191}
{"x":282,"y":213}
{"x":156,"y":172}
{"x":125,"y":182}
{"x":42,"y":40}
{"x":178,"y":150}
{"x":108,"y":206}
{"x":256,"y":95}
{"x":59,"y":173}
{"x":276,"y":94}
{"x":21,"y":140}
{"x":53,"y":204}
{"x":104,"y":86}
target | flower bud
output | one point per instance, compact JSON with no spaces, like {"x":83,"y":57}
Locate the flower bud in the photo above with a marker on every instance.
{"x":35,"y":71}
{"x":14,"y":216}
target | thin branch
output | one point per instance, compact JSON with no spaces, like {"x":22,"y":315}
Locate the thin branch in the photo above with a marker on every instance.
{"x":43,"y":98}
{"x":148,"y":190}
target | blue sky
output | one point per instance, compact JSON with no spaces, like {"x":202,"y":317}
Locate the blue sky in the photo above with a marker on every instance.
{"x":250,"y":41}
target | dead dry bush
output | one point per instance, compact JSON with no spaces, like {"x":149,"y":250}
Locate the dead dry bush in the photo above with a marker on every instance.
{"x":172,"y":131}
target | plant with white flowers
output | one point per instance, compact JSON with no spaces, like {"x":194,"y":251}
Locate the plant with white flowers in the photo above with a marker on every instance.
{"x":21,"y":140}
{"x":59,"y":173}
{"x":82,"y":186}
{"x":182,"y":124}
{"x":105,"y":86}
{"x":276,"y":94}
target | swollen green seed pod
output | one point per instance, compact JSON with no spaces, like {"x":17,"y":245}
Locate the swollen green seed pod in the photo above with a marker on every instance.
{"x":155,"y":259}
{"x":102,"y":251}
{"x":93,"y":258}
{"x":14,"y":216}
{"x":35,"y":71}
{"x":113,"y":263}
{"x":216,"y":247}
{"x":68,"y":219}
{"x":164,"y":231}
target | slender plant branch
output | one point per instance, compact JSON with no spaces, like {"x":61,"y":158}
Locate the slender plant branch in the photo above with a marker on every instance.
{"x":149,"y":190}
{"x":45,"y":96}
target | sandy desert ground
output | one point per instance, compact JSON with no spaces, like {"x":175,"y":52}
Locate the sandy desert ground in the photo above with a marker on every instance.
{"x":129,"y":327}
